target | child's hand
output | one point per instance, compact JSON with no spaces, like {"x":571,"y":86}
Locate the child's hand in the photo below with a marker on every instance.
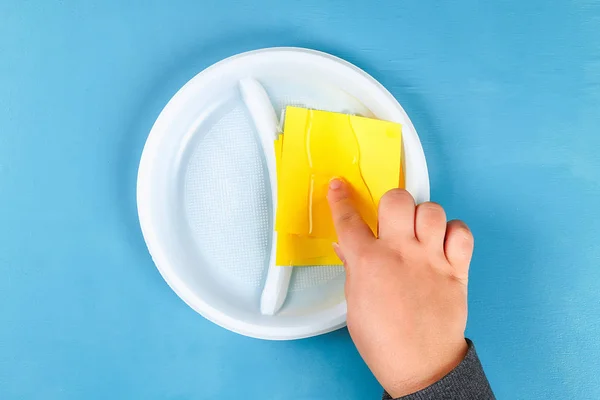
{"x":406,"y":290}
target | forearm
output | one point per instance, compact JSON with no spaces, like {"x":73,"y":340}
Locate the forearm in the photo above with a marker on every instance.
{"x":465,"y":382}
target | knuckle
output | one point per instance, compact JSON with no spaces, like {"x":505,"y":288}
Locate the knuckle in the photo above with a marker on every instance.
{"x":348,"y":217}
{"x":396,"y":196}
{"x":431,"y":213}
{"x":462,"y":230}
{"x":431,"y":207}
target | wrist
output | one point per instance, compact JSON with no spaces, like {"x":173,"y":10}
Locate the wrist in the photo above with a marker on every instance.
{"x":431,"y":371}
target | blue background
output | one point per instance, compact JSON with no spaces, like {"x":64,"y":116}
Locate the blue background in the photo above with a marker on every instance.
{"x":505,"y":96}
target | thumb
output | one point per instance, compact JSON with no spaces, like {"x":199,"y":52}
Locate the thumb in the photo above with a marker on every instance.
{"x":352,"y":231}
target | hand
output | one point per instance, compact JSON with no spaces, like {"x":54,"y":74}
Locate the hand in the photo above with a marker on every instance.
{"x":406,"y":290}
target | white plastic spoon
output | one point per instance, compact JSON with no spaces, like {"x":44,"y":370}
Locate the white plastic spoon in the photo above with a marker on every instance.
{"x":265,"y":120}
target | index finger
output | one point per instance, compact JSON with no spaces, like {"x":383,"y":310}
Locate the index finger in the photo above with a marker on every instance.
{"x":352,"y":231}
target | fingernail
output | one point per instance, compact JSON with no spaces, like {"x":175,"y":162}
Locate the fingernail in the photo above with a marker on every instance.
{"x":338,"y":252}
{"x":335,"y":184}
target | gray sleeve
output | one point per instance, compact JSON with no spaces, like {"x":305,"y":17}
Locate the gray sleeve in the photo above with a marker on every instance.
{"x":465,"y":382}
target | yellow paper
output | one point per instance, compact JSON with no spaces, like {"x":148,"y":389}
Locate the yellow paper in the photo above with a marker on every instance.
{"x":318,"y":146}
{"x":295,"y":250}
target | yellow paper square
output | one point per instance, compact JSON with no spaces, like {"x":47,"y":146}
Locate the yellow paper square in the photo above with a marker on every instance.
{"x":318,"y":146}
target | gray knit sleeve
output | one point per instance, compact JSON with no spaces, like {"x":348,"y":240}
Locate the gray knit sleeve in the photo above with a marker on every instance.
{"x":465,"y":382}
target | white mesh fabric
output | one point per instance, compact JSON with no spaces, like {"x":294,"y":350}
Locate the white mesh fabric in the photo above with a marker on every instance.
{"x":227,"y":206}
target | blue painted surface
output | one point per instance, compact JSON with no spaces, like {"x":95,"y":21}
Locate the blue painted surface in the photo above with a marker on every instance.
{"x":505,"y":96}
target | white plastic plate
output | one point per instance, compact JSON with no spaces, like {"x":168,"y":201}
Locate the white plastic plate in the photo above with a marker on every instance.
{"x":204,"y":197}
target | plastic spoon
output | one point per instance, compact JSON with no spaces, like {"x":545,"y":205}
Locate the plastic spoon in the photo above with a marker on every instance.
{"x":265,"y":120}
